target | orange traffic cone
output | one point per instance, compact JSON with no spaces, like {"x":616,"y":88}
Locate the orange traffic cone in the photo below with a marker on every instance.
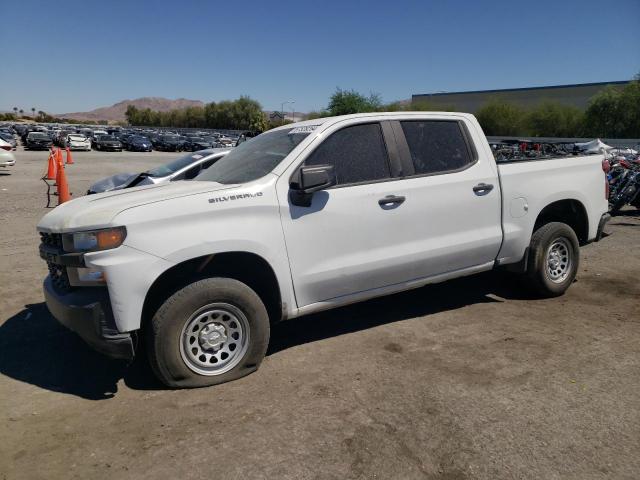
{"x":51,"y":170}
{"x":69,"y":157}
{"x":59,"y":162}
{"x":61,"y":182}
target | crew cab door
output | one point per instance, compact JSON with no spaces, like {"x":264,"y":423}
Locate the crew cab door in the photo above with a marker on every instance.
{"x":453,"y":211}
{"x":340,"y":244}
{"x":396,"y":214}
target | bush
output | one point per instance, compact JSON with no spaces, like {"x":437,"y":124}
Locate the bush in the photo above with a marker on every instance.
{"x":615,"y":112}
{"x":553,"y":119}
{"x":501,"y":118}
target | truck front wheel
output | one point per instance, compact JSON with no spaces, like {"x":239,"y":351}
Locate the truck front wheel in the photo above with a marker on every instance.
{"x":554,"y":255}
{"x":209,"y":332}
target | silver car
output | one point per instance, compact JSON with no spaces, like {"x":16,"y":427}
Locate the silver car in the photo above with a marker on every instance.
{"x":183,"y":168}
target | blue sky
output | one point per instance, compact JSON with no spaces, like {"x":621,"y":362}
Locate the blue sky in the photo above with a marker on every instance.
{"x":69,"y":56}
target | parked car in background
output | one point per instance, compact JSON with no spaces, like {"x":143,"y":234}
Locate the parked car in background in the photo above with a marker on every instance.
{"x":124,"y":139}
{"x":87,"y":132}
{"x":9,"y":138}
{"x":78,"y":142}
{"x":95,"y":134}
{"x":168,"y":143}
{"x":136,"y":143}
{"x":38,"y":141}
{"x":183,"y":168}
{"x":108,"y":142}
{"x":60,"y":137}
{"x":6,"y":157}
{"x":226,"y":141}
{"x":193,"y":144}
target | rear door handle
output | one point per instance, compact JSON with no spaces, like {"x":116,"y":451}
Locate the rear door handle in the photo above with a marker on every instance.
{"x":391,"y":200}
{"x":482,"y":188}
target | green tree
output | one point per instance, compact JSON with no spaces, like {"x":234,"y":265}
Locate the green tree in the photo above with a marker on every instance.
{"x":615,"y":112}
{"x":242,"y":114}
{"x":498,"y":117}
{"x":344,"y":102}
{"x":132,"y":115}
{"x":552,"y":119}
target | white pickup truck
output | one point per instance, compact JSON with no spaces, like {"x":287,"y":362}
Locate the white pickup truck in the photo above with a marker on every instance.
{"x":308,"y":217}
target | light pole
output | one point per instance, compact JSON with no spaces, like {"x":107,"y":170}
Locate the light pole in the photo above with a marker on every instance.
{"x":282,"y":109}
{"x":293,"y":111}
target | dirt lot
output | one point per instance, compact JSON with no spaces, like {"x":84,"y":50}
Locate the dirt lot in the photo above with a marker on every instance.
{"x":468,"y":379}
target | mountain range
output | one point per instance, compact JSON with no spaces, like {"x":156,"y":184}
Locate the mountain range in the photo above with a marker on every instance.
{"x":115,"y":112}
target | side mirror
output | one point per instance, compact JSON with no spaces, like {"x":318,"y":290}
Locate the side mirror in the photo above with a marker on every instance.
{"x":308,"y":180}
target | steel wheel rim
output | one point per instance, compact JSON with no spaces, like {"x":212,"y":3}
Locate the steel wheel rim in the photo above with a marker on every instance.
{"x":214,"y":339}
{"x":559,"y":260}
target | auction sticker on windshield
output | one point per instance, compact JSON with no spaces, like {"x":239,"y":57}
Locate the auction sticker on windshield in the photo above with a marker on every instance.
{"x":306,"y":129}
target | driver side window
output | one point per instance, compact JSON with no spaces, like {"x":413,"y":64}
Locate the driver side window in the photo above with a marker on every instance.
{"x":357,"y":153}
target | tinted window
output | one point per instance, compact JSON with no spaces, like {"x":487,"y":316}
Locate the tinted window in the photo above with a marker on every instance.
{"x":208,"y":163}
{"x":357,"y":153}
{"x":436,"y":146}
{"x":192,"y":172}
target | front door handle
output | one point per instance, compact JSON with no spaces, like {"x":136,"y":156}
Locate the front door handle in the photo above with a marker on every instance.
{"x":391,"y":200}
{"x":482,"y":188}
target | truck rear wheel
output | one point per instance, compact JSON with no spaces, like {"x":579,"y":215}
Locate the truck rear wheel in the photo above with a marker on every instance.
{"x":209,"y":332}
{"x":554,"y":255}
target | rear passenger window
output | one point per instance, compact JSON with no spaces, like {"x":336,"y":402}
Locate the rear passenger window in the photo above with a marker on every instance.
{"x":357,"y":153}
{"x":436,"y":146}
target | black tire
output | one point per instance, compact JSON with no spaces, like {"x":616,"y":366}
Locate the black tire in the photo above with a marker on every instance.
{"x":165,"y":335}
{"x":538,"y":277}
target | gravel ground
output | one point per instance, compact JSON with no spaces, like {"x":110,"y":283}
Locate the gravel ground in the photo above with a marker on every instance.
{"x":467,"y":379}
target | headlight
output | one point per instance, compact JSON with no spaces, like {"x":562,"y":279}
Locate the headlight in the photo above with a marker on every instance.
{"x":95,"y":240}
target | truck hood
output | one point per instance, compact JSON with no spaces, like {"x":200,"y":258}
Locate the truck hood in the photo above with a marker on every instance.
{"x":97,"y":211}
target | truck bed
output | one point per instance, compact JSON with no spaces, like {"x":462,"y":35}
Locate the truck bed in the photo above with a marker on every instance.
{"x":530,"y":184}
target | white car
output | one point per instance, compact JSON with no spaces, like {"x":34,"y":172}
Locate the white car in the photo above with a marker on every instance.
{"x":78,"y":142}
{"x":6,"y":157}
{"x":184,"y":168}
{"x":307,"y":217}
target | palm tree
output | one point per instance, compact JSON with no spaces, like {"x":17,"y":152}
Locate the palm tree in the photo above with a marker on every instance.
{"x":33,"y":110}
{"x":21,"y":112}
{"x":15,"y":110}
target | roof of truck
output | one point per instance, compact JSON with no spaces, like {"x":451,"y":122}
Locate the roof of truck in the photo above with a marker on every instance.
{"x":323,"y":120}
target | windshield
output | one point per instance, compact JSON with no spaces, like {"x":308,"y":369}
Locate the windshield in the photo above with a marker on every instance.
{"x":255,"y":158}
{"x":172,"y":167}
{"x":39,"y":135}
{"x":77,"y":137}
{"x":107,"y":138}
